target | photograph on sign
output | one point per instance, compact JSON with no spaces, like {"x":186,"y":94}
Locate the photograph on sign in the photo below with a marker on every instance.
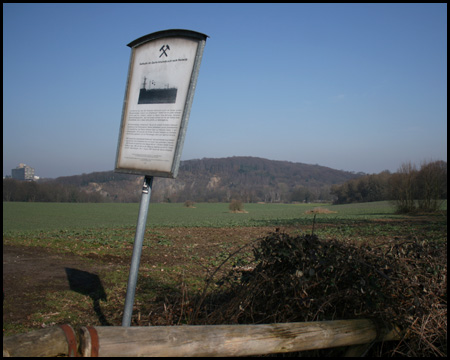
{"x":159,"y":82}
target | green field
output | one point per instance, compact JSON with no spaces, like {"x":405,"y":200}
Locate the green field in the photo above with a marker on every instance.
{"x":81,"y":227}
{"x":19,"y":216}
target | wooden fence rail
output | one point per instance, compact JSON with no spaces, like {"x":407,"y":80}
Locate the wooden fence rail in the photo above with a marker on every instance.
{"x":196,"y":340}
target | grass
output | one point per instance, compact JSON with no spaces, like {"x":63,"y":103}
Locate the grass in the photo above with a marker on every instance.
{"x":109,"y":229}
{"x":83,"y":228}
{"x":23,"y":217}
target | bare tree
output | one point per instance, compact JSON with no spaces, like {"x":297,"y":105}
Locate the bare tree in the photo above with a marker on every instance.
{"x":432,"y":185}
{"x":403,"y":188}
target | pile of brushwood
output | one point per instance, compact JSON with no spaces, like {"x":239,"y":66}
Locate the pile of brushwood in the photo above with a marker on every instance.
{"x":297,"y":279}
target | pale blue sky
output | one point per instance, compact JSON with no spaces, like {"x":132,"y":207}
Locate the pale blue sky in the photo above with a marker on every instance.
{"x":357,"y":87}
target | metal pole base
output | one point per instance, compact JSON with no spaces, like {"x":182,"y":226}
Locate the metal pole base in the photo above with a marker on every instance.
{"x":137,"y":250}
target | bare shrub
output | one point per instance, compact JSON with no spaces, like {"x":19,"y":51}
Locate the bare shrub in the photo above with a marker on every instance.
{"x":236,"y":205}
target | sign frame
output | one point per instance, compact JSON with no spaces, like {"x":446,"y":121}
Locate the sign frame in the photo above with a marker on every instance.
{"x":154,"y":121}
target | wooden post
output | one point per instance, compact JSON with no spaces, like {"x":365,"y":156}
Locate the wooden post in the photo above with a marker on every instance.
{"x":53,"y":341}
{"x":228,"y":340}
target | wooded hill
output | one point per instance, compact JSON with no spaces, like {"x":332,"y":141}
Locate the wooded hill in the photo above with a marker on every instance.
{"x":248,"y":179}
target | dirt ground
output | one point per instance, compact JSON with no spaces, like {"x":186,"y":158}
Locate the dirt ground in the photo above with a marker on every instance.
{"x":30,"y":273}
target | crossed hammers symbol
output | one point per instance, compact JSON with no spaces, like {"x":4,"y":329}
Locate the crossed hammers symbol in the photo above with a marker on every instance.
{"x":163,"y":49}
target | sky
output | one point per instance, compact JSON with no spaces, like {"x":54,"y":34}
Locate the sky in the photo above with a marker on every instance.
{"x":355,"y":87}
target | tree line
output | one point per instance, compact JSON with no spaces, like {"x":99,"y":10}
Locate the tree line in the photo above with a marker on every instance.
{"x":30,"y":191}
{"x":410,"y":189}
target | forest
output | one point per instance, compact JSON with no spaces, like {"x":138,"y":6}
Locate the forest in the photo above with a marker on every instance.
{"x":249,"y":180}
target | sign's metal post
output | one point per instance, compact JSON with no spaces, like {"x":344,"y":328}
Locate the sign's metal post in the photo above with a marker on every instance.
{"x":137,"y":250}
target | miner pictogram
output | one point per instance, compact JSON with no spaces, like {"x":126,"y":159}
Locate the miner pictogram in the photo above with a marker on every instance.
{"x":163,"y":49}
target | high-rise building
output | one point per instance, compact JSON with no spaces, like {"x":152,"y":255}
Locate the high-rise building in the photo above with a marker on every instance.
{"x":23,"y":172}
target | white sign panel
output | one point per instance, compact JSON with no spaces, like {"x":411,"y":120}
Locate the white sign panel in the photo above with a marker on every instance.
{"x":161,"y":83}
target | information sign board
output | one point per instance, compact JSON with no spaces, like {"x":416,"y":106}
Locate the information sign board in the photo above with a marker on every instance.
{"x":160,"y":88}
